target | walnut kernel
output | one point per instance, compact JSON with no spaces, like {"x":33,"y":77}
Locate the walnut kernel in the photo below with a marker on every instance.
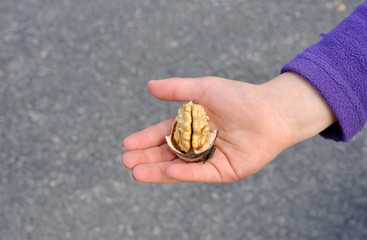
{"x":191,"y":138}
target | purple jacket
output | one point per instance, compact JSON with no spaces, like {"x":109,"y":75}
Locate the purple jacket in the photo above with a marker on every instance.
{"x":337,"y":67}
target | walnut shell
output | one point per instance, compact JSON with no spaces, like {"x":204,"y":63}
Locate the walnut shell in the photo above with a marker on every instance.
{"x":191,"y":138}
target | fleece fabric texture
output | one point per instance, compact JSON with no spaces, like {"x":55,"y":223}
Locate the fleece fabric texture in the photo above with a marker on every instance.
{"x":337,"y":67}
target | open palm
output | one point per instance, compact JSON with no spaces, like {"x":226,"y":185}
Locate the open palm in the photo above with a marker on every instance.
{"x":251,"y":133}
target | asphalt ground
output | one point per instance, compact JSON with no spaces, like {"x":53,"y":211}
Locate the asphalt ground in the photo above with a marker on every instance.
{"x":73,"y":80}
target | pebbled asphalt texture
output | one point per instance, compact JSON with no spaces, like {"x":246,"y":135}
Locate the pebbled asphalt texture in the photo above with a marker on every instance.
{"x":73,"y":80}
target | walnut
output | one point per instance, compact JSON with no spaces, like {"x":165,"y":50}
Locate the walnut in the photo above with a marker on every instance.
{"x":183,"y":130}
{"x":191,"y":138}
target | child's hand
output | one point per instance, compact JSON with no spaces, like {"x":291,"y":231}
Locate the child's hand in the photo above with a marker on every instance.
{"x":255,"y":122}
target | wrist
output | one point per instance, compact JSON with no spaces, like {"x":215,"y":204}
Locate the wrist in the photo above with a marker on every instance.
{"x":299,"y":106}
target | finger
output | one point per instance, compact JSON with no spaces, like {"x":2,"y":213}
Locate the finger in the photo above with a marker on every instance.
{"x":153,"y":173}
{"x":150,"y":137}
{"x":176,"y":171}
{"x":178,"y":89}
{"x":215,"y":170}
{"x":194,"y":172}
{"x":151,"y":155}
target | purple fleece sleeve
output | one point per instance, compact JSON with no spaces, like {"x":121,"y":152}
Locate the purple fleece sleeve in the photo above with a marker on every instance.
{"x":337,"y":67}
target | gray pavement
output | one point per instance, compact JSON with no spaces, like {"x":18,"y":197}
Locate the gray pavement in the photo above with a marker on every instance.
{"x":73,"y":80}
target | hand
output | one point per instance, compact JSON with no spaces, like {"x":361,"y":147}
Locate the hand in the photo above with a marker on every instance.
{"x":255,"y":124}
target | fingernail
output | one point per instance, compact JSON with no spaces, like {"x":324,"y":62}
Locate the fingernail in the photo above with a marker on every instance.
{"x":132,"y":177}
{"x":123,"y":148}
{"x":122,"y":164}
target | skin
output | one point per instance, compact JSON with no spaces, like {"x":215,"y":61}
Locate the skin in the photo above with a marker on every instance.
{"x":256,"y":123}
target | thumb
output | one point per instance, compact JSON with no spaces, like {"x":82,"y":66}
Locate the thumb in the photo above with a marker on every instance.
{"x":178,"y":89}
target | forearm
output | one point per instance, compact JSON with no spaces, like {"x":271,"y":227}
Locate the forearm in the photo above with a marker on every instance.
{"x":299,"y":106}
{"x":336,"y":67}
